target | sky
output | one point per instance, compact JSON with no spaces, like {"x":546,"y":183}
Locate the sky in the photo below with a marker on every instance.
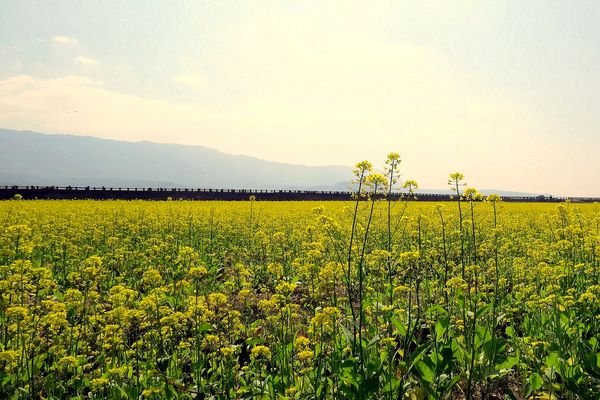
{"x":505,"y":92}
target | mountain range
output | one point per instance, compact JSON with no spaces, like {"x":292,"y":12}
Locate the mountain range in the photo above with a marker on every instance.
{"x":31,"y":158}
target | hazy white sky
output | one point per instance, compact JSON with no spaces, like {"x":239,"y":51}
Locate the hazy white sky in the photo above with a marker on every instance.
{"x":505,"y":92}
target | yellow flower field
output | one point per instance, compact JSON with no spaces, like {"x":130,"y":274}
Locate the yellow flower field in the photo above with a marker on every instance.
{"x":299,"y":300}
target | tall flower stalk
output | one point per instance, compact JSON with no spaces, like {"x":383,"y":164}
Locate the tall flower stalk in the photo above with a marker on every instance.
{"x":361,"y":171}
{"x":456,"y":181}
{"x":392,"y":163}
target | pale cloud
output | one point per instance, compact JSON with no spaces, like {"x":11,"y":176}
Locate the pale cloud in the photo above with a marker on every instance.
{"x":193,"y":81}
{"x":78,"y":104}
{"x":85,"y":61}
{"x":64,"y":40}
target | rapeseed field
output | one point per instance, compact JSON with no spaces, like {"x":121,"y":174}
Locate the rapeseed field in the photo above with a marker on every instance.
{"x":300,"y":300}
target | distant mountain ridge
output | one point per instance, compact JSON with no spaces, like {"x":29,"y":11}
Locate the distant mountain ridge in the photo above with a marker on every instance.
{"x":31,"y":158}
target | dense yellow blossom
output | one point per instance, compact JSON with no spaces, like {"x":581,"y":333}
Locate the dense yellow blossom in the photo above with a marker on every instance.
{"x":190,"y":300}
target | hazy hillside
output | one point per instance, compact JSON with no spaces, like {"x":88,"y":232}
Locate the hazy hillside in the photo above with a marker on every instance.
{"x":29,"y":158}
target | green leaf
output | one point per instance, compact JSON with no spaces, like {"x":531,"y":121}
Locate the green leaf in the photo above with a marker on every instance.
{"x":508,"y":363}
{"x":447,"y":357}
{"x":482,"y":336}
{"x":399,"y":326}
{"x":205,"y":327}
{"x":564,"y":319}
{"x":425,"y":373}
{"x":483,"y":310}
{"x":253,"y":342}
{"x":436,"y":308}
{"x":350,"y":377}
{"x":510,"y":331}
{"x":536,"y":381}
{"x":170,"y":392}
{"x":552,"y":360}
{"x":373,"y":342}
{"x":455,"y":379}
{"x":441,"y":327}
{"x":420,"y":352}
